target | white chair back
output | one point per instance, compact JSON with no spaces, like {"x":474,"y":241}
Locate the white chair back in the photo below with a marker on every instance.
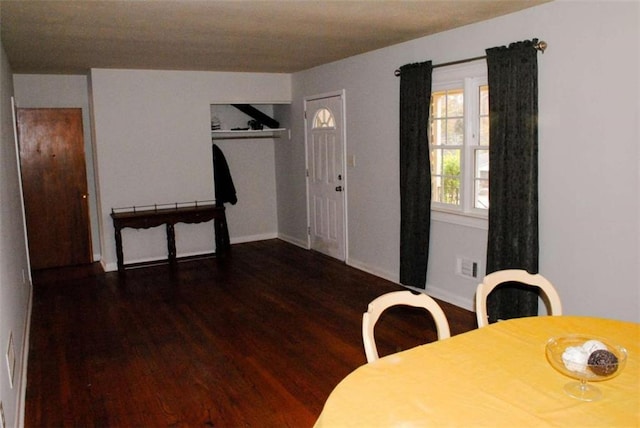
{"x":404,"y":297}
{"x":547,"y":291}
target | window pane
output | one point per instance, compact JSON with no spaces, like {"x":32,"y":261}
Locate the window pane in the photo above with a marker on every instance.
{"x":437,"y":190}
{"x":445,"y":162}
{"x":445,"y":190}
{"x":484,"y":131}
{"x":481,"y":179}
{"x":439,"y":104}
{"x":481,"y":199}
{"x":451,"y":160}
{"x":455,"y":131}
{"x":455,"y":103}
{"x":436,"y":162}
{"x":438,"y":132}
{"x":484,"y":115}
{"x":445,"y":182}
{"x":482,"y":164}
{"x":484,"y":100}
{"x":451,"y":191}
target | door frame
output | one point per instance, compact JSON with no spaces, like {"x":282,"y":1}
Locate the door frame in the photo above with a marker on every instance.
{"x":345,"y":230}
{"x":14,"y":118}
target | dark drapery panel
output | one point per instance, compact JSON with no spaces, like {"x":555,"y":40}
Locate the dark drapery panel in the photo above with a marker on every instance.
{"x":415,"y":173}
{"x":513,"y":175}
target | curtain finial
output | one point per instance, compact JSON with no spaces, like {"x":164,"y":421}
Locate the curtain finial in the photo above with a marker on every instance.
{"x":541,"y":46}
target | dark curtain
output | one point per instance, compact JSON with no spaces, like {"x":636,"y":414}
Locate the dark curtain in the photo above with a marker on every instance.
{"x":513,"y":175}
{"x":415,"y":173}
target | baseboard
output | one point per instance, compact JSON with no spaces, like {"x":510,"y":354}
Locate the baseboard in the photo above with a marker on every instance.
{"x":294,"y":241}
{"x":389,"y":276}
{"x":449,"y":297}
{"x":22,"y":396}
{"x":253,"y":238}
{"x":113,"y":266}
{"x":431,"y":290}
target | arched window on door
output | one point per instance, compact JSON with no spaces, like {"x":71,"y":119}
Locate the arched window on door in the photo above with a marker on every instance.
{"x":324,"y":119}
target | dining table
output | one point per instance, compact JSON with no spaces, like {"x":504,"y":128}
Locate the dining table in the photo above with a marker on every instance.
{"x":494,"y":376}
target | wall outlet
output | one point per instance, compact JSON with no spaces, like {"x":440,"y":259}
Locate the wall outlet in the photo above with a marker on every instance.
{"x":467,"y":268}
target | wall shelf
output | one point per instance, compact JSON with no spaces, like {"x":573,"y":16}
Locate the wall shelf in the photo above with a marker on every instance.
{"x":228,"y":134}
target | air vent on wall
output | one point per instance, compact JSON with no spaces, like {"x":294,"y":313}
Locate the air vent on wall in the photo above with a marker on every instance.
{"x":467,"y":267}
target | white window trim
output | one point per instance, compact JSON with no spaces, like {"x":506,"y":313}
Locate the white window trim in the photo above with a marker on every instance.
{"x":468,"y":75}
{"x":459,"y":218}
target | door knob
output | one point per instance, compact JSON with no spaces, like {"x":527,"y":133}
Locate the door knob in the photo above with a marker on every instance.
{"x":339,"y":189}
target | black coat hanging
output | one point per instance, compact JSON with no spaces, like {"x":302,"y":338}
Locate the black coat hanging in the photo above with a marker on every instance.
{"x":224,"y":189}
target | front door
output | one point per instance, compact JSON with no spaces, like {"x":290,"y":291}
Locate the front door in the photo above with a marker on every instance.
{"x":326,"y":179}
{"x":54,"y":184}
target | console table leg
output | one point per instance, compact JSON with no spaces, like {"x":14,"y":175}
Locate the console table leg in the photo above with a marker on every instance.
{"x":171,"y":243}
{"x":221,"y":234}
{"x":119,"y":253}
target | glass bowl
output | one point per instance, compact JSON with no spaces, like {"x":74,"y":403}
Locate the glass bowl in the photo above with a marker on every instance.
{"x":586,"y":359}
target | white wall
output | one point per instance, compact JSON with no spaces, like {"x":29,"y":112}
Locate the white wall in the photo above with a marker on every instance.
{"x":153,"y":146}
{"x":588,"y":158}
{"x":64,"y":91}
{"x":291,"y":181}
{"x":15,"y":280}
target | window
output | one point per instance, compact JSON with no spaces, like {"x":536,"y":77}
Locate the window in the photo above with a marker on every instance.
{"x":324,"y":119}
{"x":459,"y":140}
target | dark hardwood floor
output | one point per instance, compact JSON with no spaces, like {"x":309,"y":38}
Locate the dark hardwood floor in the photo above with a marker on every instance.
{"x":255,"y":339}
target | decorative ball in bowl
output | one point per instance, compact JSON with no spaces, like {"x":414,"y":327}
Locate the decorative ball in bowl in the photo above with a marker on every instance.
{"x":586,"y":359}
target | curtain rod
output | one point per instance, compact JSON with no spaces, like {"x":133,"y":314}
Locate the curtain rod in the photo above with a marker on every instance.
{"x":541,"y":46}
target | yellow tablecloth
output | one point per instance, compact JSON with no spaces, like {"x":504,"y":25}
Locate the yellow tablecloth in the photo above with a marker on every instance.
{"x":494,"y":376}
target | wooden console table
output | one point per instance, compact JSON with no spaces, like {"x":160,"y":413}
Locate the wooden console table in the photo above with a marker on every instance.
{"x":152,"y":217}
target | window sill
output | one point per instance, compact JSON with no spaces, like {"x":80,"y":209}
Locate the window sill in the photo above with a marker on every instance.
{"x":476,"y":221}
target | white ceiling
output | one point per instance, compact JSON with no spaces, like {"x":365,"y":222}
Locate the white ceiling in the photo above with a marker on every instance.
{"x":253,"y":36}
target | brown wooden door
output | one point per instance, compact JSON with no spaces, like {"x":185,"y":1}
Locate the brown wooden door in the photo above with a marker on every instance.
{"x":54,"y":182}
